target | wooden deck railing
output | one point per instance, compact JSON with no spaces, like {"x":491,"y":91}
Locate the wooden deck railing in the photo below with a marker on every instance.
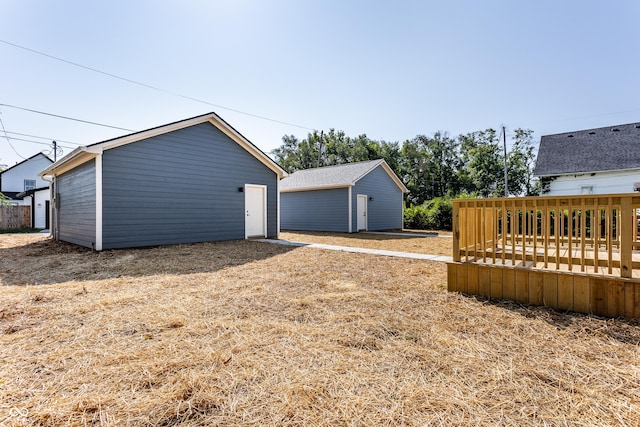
{"x":592,"y":234}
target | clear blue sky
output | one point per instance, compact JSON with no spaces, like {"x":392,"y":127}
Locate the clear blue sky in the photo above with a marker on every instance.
{"x":392,"y":70}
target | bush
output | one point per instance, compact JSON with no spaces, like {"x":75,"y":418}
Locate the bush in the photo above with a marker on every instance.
{"x":435,"y":214}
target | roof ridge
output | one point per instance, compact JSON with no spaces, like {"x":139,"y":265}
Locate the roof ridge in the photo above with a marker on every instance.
{"x":625,"y":125}
{"x":336,"y":166}
{"x":610,"y":148}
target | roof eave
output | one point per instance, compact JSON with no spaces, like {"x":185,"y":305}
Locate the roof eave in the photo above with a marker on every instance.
{"x":315,"y":187}
{"x":584,"y":172}
{"x":77,"y":157}
{"x":83,"y":154}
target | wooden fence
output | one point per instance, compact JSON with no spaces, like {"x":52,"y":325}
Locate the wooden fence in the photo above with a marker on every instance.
{"x":589,"y":242}
{"x":15,"y":217}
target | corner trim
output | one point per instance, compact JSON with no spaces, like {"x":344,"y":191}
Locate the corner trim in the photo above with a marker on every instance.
{"x":98,"y":245}
{"x":277,"y":208}
{"x":350,"y":210}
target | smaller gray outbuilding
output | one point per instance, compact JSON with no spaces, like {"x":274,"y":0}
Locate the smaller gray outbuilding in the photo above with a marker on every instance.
{"x":362,"y":196}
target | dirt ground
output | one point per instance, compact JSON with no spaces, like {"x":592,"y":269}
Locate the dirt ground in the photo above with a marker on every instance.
{"x":250,"y":333}
{"x":442,"y":245}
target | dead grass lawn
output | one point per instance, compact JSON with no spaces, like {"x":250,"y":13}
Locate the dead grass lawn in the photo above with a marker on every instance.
{"x":420,"y":245}
{"x":249,"y":333}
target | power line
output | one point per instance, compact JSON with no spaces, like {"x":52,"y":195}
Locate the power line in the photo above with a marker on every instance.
{"x":43,"y":137}
{"x":35,"y":142}
{"x":95,"y":70}
{"x":65,"y":117}
{"x":9,"y":139}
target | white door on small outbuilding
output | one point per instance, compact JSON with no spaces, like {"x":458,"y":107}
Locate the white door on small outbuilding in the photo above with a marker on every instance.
{"x":255,"y":205}
{"x":362,"y":212}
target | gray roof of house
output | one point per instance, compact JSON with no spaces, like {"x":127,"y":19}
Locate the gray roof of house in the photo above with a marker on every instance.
{"x":592,"y":150}
{"x":334,"y":176}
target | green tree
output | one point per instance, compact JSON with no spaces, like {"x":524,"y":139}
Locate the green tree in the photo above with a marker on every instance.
{"x":430,"y":167}
{"x":520,"y":163}
{"x":295,"y":155}
{"x":414,"y":170}
{"x":482,"y":169}
{"x":444,"y":163}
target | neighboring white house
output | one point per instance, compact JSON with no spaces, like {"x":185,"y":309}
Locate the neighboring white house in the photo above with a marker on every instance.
{"x":593,"y":161}
{"x":22,"y":186}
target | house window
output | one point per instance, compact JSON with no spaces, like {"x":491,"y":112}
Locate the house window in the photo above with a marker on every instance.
{"x":29,"y":184}
{"x":587,"y":189}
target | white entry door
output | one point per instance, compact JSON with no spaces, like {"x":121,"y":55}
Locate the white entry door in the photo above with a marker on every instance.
{"x":255,"y":206}
{"x":362,"y":212}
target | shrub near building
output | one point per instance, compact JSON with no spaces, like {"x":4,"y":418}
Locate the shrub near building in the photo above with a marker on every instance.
{"x":434,"y":214}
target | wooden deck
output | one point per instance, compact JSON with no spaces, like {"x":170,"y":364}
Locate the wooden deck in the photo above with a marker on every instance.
{"x":574,"y":253}
{"x":582,"y":261}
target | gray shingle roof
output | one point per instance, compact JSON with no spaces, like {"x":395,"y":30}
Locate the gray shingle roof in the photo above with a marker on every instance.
{"x":592,"y":150}
{"x":331,"y":176}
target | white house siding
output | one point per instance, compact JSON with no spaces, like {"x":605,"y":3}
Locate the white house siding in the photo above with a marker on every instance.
{"x":40,"y":208}
{"x":598,"y":183}
{"x":13,"y":179}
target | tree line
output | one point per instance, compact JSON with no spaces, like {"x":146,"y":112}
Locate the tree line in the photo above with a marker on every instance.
{"x":430,"y":166}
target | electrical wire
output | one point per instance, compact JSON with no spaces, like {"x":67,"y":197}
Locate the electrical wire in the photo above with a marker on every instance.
{"x":65,"y":117}
{"x":9,"y":139}
{"x":37,"y":142}
{"x":95,"y":70}
{"x":43,"y":137}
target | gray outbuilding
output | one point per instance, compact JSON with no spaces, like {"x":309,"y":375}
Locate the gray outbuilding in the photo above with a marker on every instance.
{"x":362,"y":196}
{"x":194,"y":180}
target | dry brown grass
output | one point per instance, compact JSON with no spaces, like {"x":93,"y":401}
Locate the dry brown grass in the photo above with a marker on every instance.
{"x":249,"y":333}
{"x":406,"y":243}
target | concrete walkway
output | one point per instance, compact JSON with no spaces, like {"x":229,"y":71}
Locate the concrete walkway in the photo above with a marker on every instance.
{"x":428,"y":257}
{"x":394,"y":233}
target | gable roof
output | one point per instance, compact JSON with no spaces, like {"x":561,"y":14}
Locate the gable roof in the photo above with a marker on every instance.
{"x":604,"y":149}
{"x":83,"y":154}
{"x":338,"y":176}
{"x":25,"y":161}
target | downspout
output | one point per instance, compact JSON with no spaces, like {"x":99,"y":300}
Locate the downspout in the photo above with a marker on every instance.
{"x":33,"y":210}
{"x":350,"y":210}
{"x":52,"y":206}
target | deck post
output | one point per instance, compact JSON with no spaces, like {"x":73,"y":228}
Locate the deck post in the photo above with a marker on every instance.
{"x":626,"y":237}
{"x":456,"y":231}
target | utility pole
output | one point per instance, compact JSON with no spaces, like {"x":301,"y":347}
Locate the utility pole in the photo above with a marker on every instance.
{"x":55,"y":151}
{"x":320,"y":149}
{"x":506,"y":179}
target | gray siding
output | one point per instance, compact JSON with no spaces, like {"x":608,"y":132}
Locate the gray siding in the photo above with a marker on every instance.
{"x":77,"y":205}
{"x":385,"y":210}
{"x":180,"y":187}
{"x":318,"y":210}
